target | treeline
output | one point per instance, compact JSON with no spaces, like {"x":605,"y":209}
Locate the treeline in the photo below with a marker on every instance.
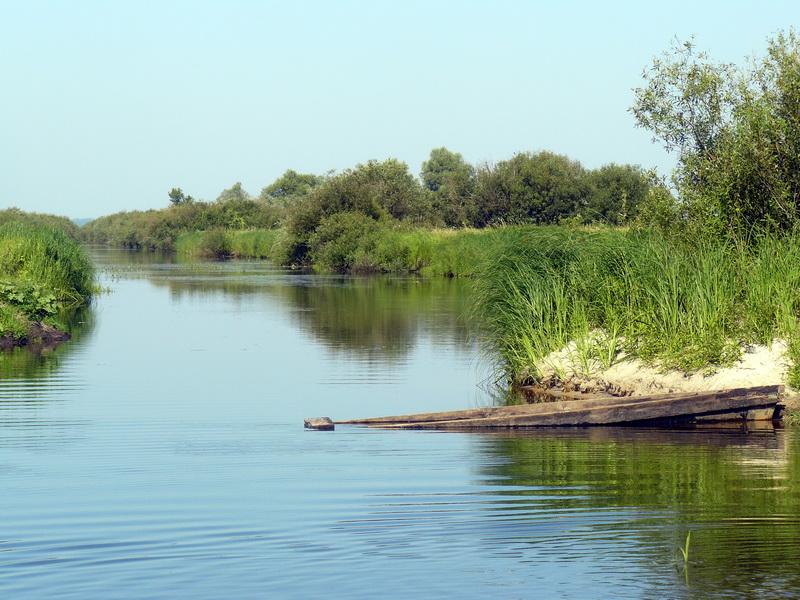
{"x":158,"y":229}
{"x":542,"y":188}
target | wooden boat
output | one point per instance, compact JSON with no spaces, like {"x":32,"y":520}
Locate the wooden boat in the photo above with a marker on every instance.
{"x":577,"y":410}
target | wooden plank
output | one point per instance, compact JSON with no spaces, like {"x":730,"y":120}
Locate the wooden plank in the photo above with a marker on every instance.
{"x":595,"y":411}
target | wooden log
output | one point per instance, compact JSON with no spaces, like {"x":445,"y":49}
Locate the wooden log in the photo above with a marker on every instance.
{"x":608,"y":410}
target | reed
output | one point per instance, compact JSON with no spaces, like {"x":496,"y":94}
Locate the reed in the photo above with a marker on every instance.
{"x":685,"y":305}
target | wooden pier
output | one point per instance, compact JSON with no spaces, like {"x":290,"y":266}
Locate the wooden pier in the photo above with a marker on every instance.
{"x":580,"y":410}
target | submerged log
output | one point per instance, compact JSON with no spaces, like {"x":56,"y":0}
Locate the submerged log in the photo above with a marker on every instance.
{"x":595,"y":410}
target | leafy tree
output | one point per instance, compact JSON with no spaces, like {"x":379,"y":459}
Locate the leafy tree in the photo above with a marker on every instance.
{"x":176,"y":196}
{"x":290,"y":187}
{"x":235,"y":192}
{"x":736,"y":133}
{"x":539,"y":188}
{"x":376,"y":189}
{"x":616,"y":193}
{"x":451,"y":180}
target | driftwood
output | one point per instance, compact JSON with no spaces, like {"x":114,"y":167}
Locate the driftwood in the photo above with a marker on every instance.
{"x":597,"y":410}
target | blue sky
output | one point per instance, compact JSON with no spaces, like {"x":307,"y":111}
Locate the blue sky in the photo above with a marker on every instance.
{"x":106,"y":105}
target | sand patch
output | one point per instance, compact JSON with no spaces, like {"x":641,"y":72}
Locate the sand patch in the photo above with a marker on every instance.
{"x":758,"y":365}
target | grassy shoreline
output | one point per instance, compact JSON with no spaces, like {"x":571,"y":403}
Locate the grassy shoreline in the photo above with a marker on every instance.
{"x":693,"y":306}
{"x":384,"y":249}
{"x":44,"y":274}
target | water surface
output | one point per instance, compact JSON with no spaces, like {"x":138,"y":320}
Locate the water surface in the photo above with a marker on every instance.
{"x":161,"y":454}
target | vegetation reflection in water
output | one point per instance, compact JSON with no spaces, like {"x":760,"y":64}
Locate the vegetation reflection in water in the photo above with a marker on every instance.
{"x":737,"y":492}
{"x":377,"y":316}
{"x":27,"y":364}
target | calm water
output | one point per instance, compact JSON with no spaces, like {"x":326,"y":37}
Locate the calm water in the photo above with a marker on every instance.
{"x":161,"y":454}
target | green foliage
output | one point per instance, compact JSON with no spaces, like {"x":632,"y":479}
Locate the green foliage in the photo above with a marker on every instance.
{"x":681,"y":304}
{"x":33,"y":300}
{"x":343,"y":243}
{"x":616,"y":192}
{"x":736,"y":133}
{"x":43,"y":271}
{"x":176,"y":196}
{"x":290,"y":188}
{"x":235,"y":193}
{"x":531,"y":188}
{"x":159,"y":229}
{"x":375,"y":189}
{"x":47,"y":257}
{"x":451,"y":180}
{"x":64,"y":224}
{"x":215,"y":243}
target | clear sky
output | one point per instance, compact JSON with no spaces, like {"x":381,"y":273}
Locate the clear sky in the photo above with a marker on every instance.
{"x":106,"y":105}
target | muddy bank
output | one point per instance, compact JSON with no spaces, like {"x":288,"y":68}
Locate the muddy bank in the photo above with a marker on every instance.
{"x":40,"y":337}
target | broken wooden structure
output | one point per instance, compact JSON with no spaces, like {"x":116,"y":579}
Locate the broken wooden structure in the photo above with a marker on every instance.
{"x":572,"y":409}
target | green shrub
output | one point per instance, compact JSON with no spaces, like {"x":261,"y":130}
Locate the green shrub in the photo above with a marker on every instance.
{"x":345,"y":242}
{"x":215,"y":244}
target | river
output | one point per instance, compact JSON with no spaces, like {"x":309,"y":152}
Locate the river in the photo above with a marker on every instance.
{"x":161,"y":454}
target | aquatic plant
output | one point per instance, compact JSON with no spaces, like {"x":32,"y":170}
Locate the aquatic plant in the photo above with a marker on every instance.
{"x":685,"y":549}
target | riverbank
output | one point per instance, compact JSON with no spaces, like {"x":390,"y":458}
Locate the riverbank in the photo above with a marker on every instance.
{"x":633,"y":312}
{"x":44,"y":274}
{"x":360,"y":248}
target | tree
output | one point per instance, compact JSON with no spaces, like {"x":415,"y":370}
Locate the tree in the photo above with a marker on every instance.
{"x":234,"y":193}
{"x":290,"y":187}
{"x":616,"y":193}
{"x":176,"y":196}
{"x":736,"y":133}
{"x":377,"y":189}
{"x":451,"y":180}
{"x":530,"y":188}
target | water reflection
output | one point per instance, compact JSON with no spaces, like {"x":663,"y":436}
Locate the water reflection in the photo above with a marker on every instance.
{"x":378,"y":318}
{"x":737,"y":492}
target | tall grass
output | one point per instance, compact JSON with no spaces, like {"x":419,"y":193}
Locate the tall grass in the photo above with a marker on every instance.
{"x":685,"y":305}
{"x":45,"y":256}
{"x":221,"y":243}
{"x":366,"y":246}
{"x":42,"y":271}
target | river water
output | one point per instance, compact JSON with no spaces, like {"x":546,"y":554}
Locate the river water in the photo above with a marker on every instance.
{"x":161,"y":454}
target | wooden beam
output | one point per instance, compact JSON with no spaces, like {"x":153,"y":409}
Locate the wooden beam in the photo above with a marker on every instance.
{"x":606,"y":410}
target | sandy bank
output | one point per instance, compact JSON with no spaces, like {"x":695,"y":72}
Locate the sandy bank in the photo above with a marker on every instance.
{"x":757,"y":366}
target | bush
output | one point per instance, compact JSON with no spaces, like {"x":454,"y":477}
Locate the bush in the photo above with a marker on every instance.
{"x":345,"y":242}
{"x":378,"y":190}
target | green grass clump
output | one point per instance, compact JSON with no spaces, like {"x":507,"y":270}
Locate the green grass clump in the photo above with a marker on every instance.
{"x":222,"y":243}
{"x":680,"y":304}
{"x":43,"y":271}
{"x":350,"y":242}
